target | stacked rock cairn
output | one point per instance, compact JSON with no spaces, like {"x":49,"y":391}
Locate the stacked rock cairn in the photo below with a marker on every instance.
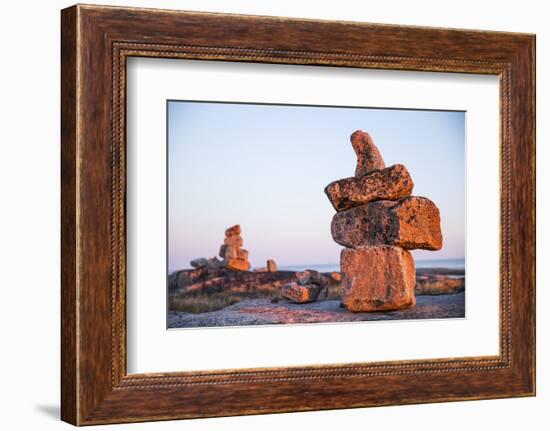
{"x":234,"y":256}
{"x":378,"y":222}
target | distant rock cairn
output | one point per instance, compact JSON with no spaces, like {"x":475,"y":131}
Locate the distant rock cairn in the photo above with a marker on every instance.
{"x":378,"y":221}
{"x":234,"y":256}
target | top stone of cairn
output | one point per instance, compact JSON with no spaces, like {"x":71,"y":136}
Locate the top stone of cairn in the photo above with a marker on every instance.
{"x":233,"y":230}
{"x":368,"y":156}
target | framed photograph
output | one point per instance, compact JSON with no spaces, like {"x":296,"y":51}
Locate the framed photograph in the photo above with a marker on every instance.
{"x":322,"y":214}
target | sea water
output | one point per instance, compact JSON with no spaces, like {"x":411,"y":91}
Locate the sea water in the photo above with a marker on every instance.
{"x":420,"y":263}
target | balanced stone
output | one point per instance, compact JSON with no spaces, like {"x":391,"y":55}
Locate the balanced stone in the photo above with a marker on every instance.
{"x":229,"y":252}
{"x":390,"y":183}
{"x":378,"y":278}
{"x":235,"y":240}
{"x":242,"y":254}
{"x":233,"y":230}
{"x":237,"y":264}
{"x":411,"y":223}
{"x":368,"y":156}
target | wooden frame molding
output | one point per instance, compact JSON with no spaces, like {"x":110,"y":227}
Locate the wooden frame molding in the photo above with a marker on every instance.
{"x":95,"y":43}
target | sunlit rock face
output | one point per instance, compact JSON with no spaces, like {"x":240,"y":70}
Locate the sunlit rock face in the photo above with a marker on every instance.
{"x":378,"y":278}
{"x":390,"y":183}
{"x":411,"y":223}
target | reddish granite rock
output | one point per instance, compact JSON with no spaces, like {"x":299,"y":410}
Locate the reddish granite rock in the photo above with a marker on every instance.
{"x":378,"y":278}
{"x":411,"y":223}
{"x":336,"y":276}
{"x":235,"y":240}
{"x":420,"y":224}
{"x":310,"y":276}
{"x":271,"y":265}
{"x":242,"y":254}
{"x":323,"y":294}
{"x":368,"y":156}
{"x":302,"y":294}
{"x":237,"y":264}
{"x":390,"y":183}
{"x":233,"y":230}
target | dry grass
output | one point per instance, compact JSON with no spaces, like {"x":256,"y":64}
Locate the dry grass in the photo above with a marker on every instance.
{"x":201,"y":303}
{"x":204,"y":302}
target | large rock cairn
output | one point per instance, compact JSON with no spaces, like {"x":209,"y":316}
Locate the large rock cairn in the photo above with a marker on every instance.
{"x":378,"y":221}
{"x":234,"y":256}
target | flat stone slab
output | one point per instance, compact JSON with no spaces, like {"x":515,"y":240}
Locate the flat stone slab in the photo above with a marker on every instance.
{"x":391,"y":183}
{"x":413,"y":222}
{"x":263,"y":312}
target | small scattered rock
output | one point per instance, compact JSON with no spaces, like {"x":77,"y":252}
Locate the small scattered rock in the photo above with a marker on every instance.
{"x":316,"y":277}
{"x":234,"y":240}
{"x":302,"y":294}
{"x":336,"y":276}
{"x":214,"y":263}
{"x":303,"y":277}
{"x":271,"y":265}
{"x":199,"y":262}
{"x":311,"y":286}
{"x":323,"y":294}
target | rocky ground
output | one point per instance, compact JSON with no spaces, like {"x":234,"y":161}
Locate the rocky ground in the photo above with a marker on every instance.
{"x":234,"y":298}
{"x":263,"y":312}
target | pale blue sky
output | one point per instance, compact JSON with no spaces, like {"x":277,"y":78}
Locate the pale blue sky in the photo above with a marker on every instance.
{"x":265,"y":167}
